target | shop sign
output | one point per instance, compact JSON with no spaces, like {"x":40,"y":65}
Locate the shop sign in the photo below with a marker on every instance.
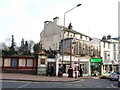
{"x":95,"y":60}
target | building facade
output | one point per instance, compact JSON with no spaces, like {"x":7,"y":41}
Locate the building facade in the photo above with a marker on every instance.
{"x":109,"y":54}
{"x":82,"y":48}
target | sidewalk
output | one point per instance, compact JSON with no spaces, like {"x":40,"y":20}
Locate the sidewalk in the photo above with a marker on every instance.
{"x":37,"y":78}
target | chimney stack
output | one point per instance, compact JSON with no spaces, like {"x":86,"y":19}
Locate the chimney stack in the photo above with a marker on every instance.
{"x":109,"y":37}
{"x":46,"y":23}
{"x":56,"y":20}
{"x":70,"y":27}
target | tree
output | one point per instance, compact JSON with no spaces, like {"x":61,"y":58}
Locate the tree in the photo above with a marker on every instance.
{"x":26,"y":50}
{"x":12,"y":47}
{"x":36,"y":48}
{"x":22,"y":47}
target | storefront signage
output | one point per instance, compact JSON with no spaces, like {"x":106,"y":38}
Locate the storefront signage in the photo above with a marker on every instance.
{"x":95,"y":60}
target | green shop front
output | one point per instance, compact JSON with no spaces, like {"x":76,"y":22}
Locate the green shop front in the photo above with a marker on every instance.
{"x":96,"y":64}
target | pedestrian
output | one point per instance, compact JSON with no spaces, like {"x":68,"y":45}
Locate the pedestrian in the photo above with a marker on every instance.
{"x":47,"y":71}
{"x":81,"y":72}
{"x":51,"y":71}
{"x":60,"y":72}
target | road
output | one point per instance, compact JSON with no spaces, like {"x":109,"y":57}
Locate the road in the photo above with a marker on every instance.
{"x":84,"y":83}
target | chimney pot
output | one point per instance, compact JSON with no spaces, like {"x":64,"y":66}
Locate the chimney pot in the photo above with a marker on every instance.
{"x":70,"y":26}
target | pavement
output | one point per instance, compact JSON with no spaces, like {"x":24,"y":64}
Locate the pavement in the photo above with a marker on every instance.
{"x":38,"y":78}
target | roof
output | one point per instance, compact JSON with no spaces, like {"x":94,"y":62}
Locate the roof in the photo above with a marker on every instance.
{"x":73,"y":31}
{"x":115,"y":38}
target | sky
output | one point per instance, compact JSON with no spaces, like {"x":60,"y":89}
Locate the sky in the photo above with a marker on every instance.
{"x":25,"y":18}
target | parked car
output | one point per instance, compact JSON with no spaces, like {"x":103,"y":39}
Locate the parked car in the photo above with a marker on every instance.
{"x":106,"y":75}
{"x":114,"y":76}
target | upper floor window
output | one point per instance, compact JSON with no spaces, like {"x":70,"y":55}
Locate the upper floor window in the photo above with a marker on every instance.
{"x":105,"y":55}
{"x":109,"y":45}
{"x":114,"y":46}
{"x":104,"y":44}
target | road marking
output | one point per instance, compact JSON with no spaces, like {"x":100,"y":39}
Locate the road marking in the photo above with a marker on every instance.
{"x":24,"y":85}
{"x":113,"y":86}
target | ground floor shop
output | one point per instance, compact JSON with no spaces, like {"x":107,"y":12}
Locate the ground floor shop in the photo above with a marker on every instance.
{"x":96,"y":65}
{"x":110,"y":68}
{"x":77,"y":63}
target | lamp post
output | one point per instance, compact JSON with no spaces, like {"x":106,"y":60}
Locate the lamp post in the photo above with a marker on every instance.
{"x":63,"y":31}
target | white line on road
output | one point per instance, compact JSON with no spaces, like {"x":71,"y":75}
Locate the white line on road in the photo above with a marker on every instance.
{"x":24,"y":85}
{"x":113,"y":86}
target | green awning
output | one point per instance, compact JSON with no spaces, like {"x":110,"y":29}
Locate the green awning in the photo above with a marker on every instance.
{"x":95,"y":60}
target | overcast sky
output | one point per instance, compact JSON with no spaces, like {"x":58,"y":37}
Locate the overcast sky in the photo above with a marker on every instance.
{"x":25,"y":18}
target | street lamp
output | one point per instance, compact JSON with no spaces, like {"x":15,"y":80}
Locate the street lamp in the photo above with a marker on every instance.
{"x":63,"y":31}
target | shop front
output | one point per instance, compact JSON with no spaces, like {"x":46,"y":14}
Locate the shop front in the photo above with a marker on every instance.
{"x":96,"y":65}
{"x":84,"y":64}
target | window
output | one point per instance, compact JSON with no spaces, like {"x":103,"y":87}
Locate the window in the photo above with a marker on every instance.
{"x":104,"y":45}
{"x":108,"y":45}
{"x":29,"y":62}
{"x":7,"y":61}
{"x":114,"y":56}
{"x":22,"y":62}
{"x":105,"y":56}
{"x":14,"y":62}
{"x":42,"y":61}
{"x":108,"y":56}
{"x":114,"y":47}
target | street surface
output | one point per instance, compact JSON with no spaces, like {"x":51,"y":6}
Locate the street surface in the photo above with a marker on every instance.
{"x":84,"y":83}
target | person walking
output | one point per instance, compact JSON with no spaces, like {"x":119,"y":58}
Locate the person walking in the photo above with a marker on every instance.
{"x":81,"y":72}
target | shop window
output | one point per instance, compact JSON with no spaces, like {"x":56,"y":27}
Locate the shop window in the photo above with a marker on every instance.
{"x":22,"y":62}
{"x":7,"y":61}
{"x":42,"y":61}
{"x":29,"y":62}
